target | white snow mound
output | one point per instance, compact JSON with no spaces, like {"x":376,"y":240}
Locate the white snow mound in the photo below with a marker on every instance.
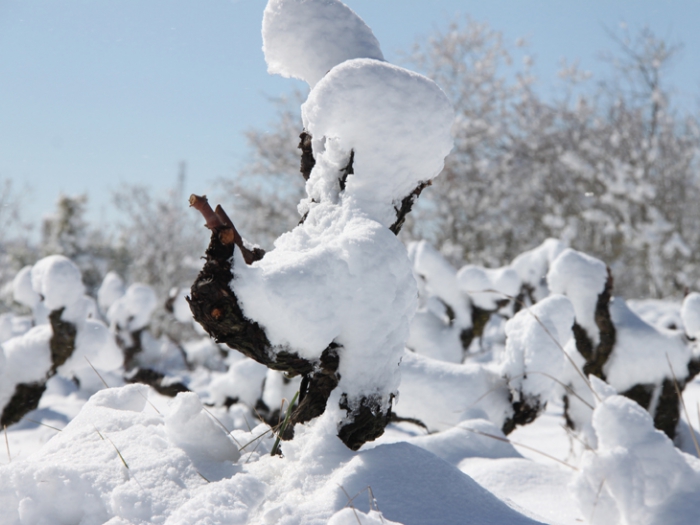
{"x":305,"y":39}
{"x":396,"y":121}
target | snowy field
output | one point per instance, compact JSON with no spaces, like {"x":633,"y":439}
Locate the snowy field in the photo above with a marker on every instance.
{"x":516,"y":395}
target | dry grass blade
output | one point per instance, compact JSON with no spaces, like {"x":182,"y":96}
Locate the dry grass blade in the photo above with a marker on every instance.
{"x":118,"y":453}
{"x":228,"y":432}
{"x":685,"y":410}
{"x":255,"y":439}
{"x":506,"y":440}
{"x":105,"y":438}
{"x":202,"y":476}
{"x":566,"y":387}
{"x":597,"y":497}
{"x":149,"y":402}
{"x":546,"y":330}
{"x":7,"y":445}
{"x":98,"y":374}
{"x":287,"y":417}
{"x":42,"y":424}
{"x":573,"y":435}
{"x":350,"y":503}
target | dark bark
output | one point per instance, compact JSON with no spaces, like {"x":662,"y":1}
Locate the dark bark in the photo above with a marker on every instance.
{"x":62,"y":342}
{"x":393,"y":418}
{"x":641,"y":394}
{"x":346,"y":171}
{"x":567,"y":418}
{"x":668,"y":411}
{"x":307,"y":155}
{"x":525,"y":412}
{"x":594,"y":365}
{"x":480,"y":319}
{"x":25,"y":399}
{"x":26,"y":396}
{"x":215,"y":306}
{"x":406,"y":207}
{"x":365,"y":423}
{"x":156,"y":380}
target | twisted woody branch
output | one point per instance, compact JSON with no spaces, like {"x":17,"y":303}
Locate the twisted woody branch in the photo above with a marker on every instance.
{"x":215,"y":306}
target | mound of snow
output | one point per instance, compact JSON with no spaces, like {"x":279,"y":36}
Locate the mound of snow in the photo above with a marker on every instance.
{"x":535,"y":341}
{"x":442,"y":394}
{"x":636,"y":475}
{"x":22,"y":289}
{"x":133,"y":310}
{"x":532,"y":266}
{"x":690,"y":314}
{"x":396,"y":121}
{"x":487,"y":287}
{"x":642,"y":353}
{"x":111,"y":289}
{"x":582,"y":279}
{"x":58,"y":281}
{"x":24,"y":359}
{"x":305,"y":39}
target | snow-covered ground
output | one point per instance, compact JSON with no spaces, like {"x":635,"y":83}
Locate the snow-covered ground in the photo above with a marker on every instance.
{"x":454,"y":358}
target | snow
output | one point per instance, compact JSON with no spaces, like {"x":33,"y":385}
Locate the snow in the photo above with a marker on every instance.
{"x":690,"y":314}
{"x":635,"y":475}
{"x":338,"y":278}
{"x":642,"y":353}
{"x":535,"y":340}
{"x":111,"y":289}
{"x":582,"y":279}
{"x":22,"y":289}
{"x":435,"y":331}
{"x":133,"y":310}
{"x":396,"y":121}
{"x":195,"y":432}
{"x":25,"y":359}
{"x":442,"y":394}
{"x":305,"y":39}
{"x":342,"y":276}
{"x":90,"y":454}
{"x":58,"y":281}
{"x":532,"y":266}
{"x":486,"y":287}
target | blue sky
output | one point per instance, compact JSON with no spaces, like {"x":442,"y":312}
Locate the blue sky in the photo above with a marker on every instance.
{"x":95,"y":94}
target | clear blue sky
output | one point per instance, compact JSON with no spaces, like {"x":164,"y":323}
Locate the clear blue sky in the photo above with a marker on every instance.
{"x":98,"y":93}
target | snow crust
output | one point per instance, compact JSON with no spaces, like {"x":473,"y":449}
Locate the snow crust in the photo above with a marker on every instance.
{"x":305,"y":39}
{"x":582,"y":279}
